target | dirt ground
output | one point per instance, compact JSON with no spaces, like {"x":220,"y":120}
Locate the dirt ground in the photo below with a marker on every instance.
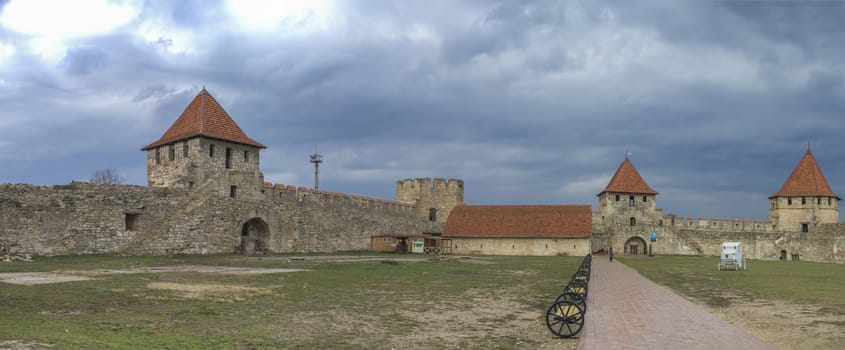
{"x":452,"y":327}
{"x":785,"y":325}
{"x":220,"y":292}
{"x":22,"y":345}
{"x":31,"y":278}
{"x":500,"y":316}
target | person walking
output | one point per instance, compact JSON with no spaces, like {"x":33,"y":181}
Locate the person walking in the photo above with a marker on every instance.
{"x":611,"y":254}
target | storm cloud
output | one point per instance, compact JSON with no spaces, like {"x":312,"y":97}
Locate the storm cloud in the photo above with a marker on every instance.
{"x":528,"y":102}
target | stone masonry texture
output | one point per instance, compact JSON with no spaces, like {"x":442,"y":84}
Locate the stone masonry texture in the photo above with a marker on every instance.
{"x":85,"y":218}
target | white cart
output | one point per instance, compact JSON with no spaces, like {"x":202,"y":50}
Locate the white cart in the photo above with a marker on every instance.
{"x":731,"y":258}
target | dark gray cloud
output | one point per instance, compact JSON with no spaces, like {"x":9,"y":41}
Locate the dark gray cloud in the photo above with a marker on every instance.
{"x":528,"y":102}
{"x":82,"y":61}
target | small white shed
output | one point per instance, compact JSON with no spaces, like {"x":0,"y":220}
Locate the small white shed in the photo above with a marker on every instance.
{"x":732,"y":257}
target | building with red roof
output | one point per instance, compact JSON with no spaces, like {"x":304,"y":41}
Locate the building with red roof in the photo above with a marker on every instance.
{"x":520,"y":229}
{"x":627,"y":204}
{"x":805,"y":199}
{"x":204,"y":149}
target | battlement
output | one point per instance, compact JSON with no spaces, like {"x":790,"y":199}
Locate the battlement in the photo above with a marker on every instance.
{"x":302,"y":195}
{"x":712,"y":223}
{"x":410,"y":190}
{"x":434,"y":199}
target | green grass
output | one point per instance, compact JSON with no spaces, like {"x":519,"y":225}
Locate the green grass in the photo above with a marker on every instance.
{"x":813,"y":283}
{"x":336,"y":305}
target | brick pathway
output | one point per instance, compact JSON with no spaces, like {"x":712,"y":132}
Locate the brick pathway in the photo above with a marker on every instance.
{"x":627,"y":311}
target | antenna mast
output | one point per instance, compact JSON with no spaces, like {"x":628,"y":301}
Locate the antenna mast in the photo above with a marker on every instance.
{"x":316,"y":158}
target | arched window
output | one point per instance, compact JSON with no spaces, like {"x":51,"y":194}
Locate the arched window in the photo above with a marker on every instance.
{"x":633,"y":221}
{"x":432,"y":214}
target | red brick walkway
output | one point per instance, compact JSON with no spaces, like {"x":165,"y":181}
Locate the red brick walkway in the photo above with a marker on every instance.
{"x":627,"y":311}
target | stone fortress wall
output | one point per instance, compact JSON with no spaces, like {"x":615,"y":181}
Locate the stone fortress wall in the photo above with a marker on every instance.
{"x":207,"y":194}
{"x":804,"y":221}
{"x":205,"y":163}
{"x":433,"y":199}
{"x":703,"y":236}
{"x":86,"y":218}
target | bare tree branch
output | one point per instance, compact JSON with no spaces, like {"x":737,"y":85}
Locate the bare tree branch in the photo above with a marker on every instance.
{"x":106,"y":176}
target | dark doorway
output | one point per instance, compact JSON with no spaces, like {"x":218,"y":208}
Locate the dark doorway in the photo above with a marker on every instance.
{"x":254,"y":235}
{"x":636,"y":246}
{"x":783,"y":255}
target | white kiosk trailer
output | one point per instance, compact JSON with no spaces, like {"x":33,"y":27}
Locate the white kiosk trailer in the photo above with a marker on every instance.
{"x":731,"y":257}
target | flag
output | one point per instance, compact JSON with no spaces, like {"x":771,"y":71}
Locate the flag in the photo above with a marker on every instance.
{"x":628,"y":153}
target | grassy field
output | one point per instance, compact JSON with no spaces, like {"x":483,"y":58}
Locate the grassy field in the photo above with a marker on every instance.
{"x":486,"y":302}
{"x":805,"y":282}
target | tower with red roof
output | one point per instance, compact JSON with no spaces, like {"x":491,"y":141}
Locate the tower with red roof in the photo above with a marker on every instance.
{"x":205,"y":150}
{"x":629,"y":202}
{"x":805,"y":199}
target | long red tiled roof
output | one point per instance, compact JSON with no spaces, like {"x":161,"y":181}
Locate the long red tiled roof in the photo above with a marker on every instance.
{"x":564,"y":221}
{"x":628,"y":180}
{"x":806,"y":180}
{"x":204,"y":117}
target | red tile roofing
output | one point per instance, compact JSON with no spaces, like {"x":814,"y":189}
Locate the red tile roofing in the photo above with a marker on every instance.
{"x":204,"y":117}
{"x":806,"y":180}
{"x":628,"y":180}
{"x":563,"y":221}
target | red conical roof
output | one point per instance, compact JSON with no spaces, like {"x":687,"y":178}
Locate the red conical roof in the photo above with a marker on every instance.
{"x":204,"y":117}
{"x":806,"y":180}
{"x":628,"y":180}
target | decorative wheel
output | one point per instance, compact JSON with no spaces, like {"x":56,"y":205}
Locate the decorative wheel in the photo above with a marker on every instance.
{"x":581,"y":277}
{"x":576,"y":298}
{"x":565,"y":319}
{"x":577,"y":287}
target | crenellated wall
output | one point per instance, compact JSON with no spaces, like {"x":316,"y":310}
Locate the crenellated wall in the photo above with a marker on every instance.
{"x":704,"y":236}
{"x":705,"y":223}
{"x":85,"y":218}
{"x":433,"y":200}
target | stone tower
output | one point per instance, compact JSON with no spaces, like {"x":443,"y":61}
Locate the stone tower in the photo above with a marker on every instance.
{"x":433,"y":201}
{"x":205,"y":150}
{"x":805,"y":199}
{"x":629,"y":201}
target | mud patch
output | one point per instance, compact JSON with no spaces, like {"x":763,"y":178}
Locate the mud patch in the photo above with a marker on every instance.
{"x":347,"y":259}
{"x":32,"y":278}
{"x":477,"y":261}
{"x":23,"y":345}
{"x":210,"y":291}
{"x":203,"y":269}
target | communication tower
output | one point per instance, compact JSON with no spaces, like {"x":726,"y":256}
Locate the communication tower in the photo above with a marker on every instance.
{"x":316,"y":158}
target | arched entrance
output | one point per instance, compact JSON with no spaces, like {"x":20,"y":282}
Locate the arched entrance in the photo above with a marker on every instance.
{"x":635,"y":246}
{"x":254,"y":235}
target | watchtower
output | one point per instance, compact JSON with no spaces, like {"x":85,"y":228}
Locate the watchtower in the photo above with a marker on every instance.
{"x":805,"y":199}
{"x":205,"y":150}
{"x":433,"y":201}
{"x":628,"y":200}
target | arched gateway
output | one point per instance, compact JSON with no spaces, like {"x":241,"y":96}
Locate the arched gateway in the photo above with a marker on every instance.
{"x":254,"y":235}
{"x":636,"y":246}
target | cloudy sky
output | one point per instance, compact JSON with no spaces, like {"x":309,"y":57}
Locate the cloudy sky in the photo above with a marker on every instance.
{"x":528,"y":102}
